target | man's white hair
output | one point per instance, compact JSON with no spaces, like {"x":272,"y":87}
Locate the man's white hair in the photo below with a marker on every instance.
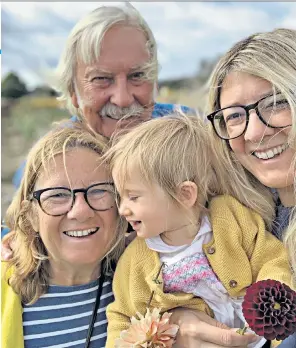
{"x":85,"y":40}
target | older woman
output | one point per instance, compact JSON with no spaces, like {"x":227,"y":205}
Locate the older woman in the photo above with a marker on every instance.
{"x":67,"y":234}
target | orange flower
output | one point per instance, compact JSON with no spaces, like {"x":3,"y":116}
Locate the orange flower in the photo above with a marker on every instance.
{"x":150,"y":331}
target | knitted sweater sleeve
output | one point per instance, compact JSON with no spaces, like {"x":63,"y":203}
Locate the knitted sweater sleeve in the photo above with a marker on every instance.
{"x":244,"y":252}
{"x":268,"y":256}
{"x":120,"y":311}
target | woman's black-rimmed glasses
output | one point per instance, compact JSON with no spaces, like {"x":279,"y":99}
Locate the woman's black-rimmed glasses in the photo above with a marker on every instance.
{"x":232,"y":121}
{"x":57,"y":201}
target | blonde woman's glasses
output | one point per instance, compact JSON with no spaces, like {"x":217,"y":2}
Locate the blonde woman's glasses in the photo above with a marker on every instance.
{"x":231,"y":122}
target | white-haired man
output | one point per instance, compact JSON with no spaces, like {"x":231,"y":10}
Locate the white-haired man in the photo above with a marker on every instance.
{"x":108,"y":71}
{"x":107,"y":76}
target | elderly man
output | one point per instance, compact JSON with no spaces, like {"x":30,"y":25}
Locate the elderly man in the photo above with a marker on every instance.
{"x":107,"y":77}
{"x":108,"y":71}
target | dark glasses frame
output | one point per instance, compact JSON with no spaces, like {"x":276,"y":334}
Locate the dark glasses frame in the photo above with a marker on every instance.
{"x":247,"y":108}
{"x":37,"y":194}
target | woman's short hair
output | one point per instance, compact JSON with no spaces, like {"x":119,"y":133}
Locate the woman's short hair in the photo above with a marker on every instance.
{"x":270,"y":56}
{"x":84,"y":43}
{"x":30,"y":265}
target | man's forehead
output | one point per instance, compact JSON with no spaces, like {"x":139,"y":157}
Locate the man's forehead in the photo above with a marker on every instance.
{"x":123,"y":48}
{"x":102,"y":68}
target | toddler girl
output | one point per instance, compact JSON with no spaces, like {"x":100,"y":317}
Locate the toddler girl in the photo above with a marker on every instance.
{"x":194,"y":247}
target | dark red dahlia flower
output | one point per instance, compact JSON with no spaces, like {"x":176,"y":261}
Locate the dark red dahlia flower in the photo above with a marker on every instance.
{"x":269,"y":308}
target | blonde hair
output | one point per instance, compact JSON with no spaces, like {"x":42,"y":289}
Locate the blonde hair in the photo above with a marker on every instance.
{"x":167,"y":151}
{"x":270,"y":56}
{"x":84,"y":44}
{"x":30,"y":263}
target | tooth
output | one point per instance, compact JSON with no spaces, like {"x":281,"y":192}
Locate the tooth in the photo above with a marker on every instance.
{"x":264,"y":155}
{"x":81,"y":233}
{"x":270,"y":154}
{"x":276,"y":151}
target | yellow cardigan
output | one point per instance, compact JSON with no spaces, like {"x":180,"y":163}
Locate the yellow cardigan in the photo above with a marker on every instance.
{"x":240,"y":253}
{"x":12,"y":335}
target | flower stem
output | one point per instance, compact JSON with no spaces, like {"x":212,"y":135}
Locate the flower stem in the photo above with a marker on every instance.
{"x":242,"y":331}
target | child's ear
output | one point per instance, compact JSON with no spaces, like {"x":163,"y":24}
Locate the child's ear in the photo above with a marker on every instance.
{"x":188,"y":193}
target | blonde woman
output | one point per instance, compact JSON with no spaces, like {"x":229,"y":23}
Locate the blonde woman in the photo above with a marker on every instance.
{"x":67,"y":234}
{"x":252,"y":109}
{"x":194,"y":248}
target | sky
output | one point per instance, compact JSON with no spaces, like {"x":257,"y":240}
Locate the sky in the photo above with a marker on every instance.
{"x":34,"y":34}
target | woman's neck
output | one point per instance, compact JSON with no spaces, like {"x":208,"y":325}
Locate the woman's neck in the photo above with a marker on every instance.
{"x":287,"y":196}
{"x":65,"y":274}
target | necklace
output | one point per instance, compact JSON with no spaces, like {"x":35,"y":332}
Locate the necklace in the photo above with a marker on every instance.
{"x":95,"y":309}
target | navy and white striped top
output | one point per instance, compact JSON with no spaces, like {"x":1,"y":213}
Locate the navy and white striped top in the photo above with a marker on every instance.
{"x":61,"y":317}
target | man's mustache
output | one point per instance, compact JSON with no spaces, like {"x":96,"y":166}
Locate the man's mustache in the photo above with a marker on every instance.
{"x":117,"y":113}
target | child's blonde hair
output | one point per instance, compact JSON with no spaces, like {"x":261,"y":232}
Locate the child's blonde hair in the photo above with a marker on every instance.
{"x":167,"y":151}
{"x":30,"y":264}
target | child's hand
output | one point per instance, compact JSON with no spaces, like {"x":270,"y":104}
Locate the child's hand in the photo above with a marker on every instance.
{"x":198,"y":330}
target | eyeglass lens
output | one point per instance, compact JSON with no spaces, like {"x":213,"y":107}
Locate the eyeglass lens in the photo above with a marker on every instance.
{"x":231,"y":122}
{"x":59,"y":201}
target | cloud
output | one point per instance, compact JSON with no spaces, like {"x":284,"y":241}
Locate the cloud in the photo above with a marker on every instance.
{"x":289,"y":21}
{"x":34,"y":33}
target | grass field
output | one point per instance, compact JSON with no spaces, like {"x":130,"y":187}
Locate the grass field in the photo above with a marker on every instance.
{"x":28,"y":119}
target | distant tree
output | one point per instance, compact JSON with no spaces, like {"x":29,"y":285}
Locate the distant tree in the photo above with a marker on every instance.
{"x":44,"y":90}
{"x":12,"y":86}
{"x":205,"y":68}
{"x":174,"y":83}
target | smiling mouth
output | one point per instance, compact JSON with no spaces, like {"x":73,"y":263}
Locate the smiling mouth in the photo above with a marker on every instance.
{"x":135,"y":224}
{"x":81,"y":233}
{"x":272,"y":153}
